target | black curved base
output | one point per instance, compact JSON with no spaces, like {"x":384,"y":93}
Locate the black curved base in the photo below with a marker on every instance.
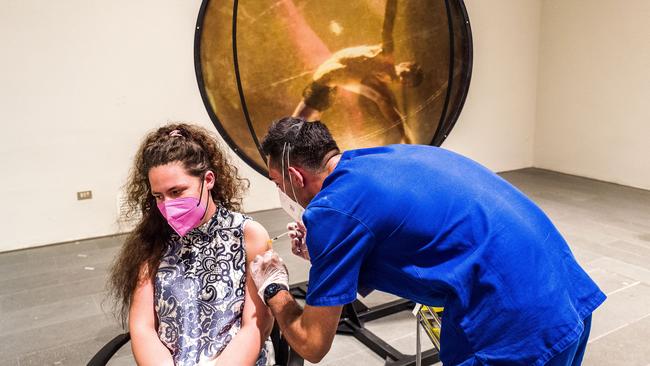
{"x":284,"y":355}
{"x":352,"y":323}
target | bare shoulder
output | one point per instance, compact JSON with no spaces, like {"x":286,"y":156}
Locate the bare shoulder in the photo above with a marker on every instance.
{"x":144,"y":276}
{"x":256,"y":238}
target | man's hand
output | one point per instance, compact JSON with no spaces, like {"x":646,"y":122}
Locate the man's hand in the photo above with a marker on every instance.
{"x":298,"y":235}
{"x":267,"y":269}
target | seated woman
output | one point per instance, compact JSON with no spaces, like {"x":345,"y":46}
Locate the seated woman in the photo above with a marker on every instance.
{"x":182,"y":272}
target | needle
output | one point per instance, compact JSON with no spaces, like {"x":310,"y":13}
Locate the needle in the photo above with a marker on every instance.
{"x":270,"y":241}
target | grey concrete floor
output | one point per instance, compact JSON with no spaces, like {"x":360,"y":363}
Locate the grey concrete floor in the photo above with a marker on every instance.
{"x":53,"y":309}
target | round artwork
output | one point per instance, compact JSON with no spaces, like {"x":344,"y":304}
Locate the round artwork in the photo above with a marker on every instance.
{"x":376,"y":72}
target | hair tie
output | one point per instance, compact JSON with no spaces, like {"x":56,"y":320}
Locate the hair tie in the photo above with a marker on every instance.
{"x":175,"y":133}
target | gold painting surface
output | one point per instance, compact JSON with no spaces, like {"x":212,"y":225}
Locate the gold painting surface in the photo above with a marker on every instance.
{"x":377,"y":72}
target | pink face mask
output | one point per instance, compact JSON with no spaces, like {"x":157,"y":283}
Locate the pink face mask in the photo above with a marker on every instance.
{"x":185,"y":213}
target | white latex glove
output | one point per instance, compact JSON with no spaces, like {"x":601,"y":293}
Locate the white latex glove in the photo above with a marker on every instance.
{"x":267,"y":269}
{"x":298,"y":235}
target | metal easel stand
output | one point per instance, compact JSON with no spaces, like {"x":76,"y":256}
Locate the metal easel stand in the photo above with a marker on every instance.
{"x":352,"y":321}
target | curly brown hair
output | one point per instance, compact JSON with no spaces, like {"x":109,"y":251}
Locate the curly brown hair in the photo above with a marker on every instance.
{"x":198,"y":150}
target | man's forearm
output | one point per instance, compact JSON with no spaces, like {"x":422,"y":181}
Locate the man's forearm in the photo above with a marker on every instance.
{"x":288,"y":314}
{"x":304,"y":335}
{"x":309,"y":331}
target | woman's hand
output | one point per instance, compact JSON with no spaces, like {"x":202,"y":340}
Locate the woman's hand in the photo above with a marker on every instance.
{"x":212,"y":362}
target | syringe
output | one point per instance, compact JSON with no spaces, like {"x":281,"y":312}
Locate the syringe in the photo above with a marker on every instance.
{"x":270,"y":241}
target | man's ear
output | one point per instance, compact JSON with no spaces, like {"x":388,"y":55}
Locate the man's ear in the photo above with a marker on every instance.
{"x":297,"y":177}
{"x":209,"y":179}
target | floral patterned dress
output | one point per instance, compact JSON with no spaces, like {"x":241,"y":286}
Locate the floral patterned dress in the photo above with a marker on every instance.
{"x":199,"y":289}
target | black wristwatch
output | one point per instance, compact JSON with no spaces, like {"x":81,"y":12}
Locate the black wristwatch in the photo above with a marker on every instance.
{"x":271,"y":290}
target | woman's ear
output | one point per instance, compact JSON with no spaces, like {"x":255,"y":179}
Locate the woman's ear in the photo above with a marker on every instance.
{"x":297,"y":177}
{"x":209,"y":179}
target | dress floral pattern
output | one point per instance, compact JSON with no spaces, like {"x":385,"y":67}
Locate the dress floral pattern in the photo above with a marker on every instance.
{"x":199,"y":289}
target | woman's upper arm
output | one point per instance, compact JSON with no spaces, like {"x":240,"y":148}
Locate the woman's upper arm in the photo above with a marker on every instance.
{"x":141,"y":312}
{"x":147,"y":347}
{"x":256,"y":239}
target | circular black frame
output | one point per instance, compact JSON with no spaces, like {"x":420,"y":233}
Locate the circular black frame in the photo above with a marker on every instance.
{"x":442,"y":131}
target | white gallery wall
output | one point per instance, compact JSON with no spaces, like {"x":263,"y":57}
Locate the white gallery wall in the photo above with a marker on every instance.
{"x":593,"y":110}
{"x":497,"y":124}
{"x":81,"y":81}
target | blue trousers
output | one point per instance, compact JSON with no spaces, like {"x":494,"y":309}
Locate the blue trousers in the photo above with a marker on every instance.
{"x":572,"y":356}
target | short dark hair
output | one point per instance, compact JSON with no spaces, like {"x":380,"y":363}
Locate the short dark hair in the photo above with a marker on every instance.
{"x":307,"y":142}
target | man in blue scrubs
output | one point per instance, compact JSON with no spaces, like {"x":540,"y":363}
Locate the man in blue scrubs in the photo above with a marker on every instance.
{"x":432,"y":226}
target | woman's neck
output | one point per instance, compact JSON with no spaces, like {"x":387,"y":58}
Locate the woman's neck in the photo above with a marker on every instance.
{"x":209,"y":212}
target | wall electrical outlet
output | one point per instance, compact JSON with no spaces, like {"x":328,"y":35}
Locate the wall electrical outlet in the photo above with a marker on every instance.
{"x":84,"y":195}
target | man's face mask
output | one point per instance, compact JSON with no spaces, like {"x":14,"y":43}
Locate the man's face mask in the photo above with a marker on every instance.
{"x":290,"y":206}
{"x":185,"y":213}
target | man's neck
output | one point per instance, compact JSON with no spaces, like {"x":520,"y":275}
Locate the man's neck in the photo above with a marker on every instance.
{"x":317,"y":178}
{"x":331,"y":163}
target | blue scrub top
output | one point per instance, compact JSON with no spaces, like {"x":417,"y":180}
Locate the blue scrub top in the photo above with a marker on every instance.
{"x":429,"y":225}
